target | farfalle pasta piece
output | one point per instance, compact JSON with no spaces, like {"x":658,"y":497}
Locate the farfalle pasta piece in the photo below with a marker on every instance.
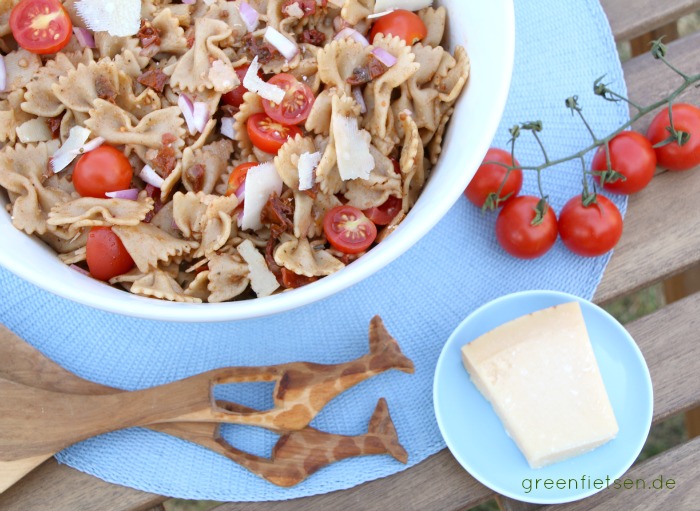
{"x":451,"y":85}
{"x":159,"y":284}
{"x":321,"y":205}
{"x":206,"y":217}
{"x":229,"y":12}
{"x":116,"y":126}
{"x":297,"y":256}
{"x":74,"y":256}
{"x":57,"y":241}
{"x":191,"y":73}
{"x":337,"y":61}
{"x":252,"y":104}
{"x":20,"y":67}
{"x":306,"y":70}
{"x":411,"y":162}
{"x":147,"y":245}
{"x":188,"y":213}
{"x":172,"y":36}
{"x":435,"y":21}
{"x":262,"y":280}
{"x":287,"y":159}
{"x":8,"y":123}
{"x":40,"y":98}
{"x":228,"y":277}
{"x":79,"y":88}
{"x":90,"y":212}
{"x":373,"y":192}
{"x":435,"y":146}
{"x":22,"y":168}
{"x":303,"y":214}
{"x":209,"y":164}
{"x":110,"y":46}
{"x":319,"y":119}
{"x":354,"y":11}
{"x":197,"y":285}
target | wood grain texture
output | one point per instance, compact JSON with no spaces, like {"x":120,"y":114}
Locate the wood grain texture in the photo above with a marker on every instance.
{"x":632,"y":19}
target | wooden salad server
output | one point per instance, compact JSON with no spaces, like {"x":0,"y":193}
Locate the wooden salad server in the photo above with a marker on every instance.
{"x":37,"y":422}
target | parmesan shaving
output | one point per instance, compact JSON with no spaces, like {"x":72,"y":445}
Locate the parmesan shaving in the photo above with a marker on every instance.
{"x":307,"y":164}
{"x":260,"y":183}
{"x":352,"y":148}
{"x":265,"y":90}
{"x":262,"y":280}
{"x":119,"y":18}
{"x":408,"y":5}
{"x":70,"y":148}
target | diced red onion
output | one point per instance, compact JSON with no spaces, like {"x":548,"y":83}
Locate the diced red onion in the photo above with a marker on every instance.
{"x":84,"y":37}
{"x":130,"y":194}
{"x":384,"y":57}
{"x":357,"y":94}
{"x":227,"y":127}
{"x":77,"y":268}
{"x":352,"y":33}
{"x":339,"y":23}
{"x":200,"y":115}
{"x":187,"y":109}
{"x":240,"y":193}
{"x":287,"y":48}
{"x":3,"y":74}
{"x":250,"y":16}
{"x":151,"y":177}
{"x":189,"y":2}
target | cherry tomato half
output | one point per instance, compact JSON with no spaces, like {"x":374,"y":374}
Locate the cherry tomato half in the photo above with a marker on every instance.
{"x":106,"y":255}
{"x":102,"y":170}
{"x":384,"y":214}
{"x":237,"y":177}
{"x":490,"y":176}
{"x":590,"y":231}
{"x":404,"y":24}
{"x":235,"y":97}
{"x":297,"y":102}
{"x":267,"y":135}
{"x":349,"y":230}
{"x":632,"y":156}
{"x":41,"y":26}
{"x":518,"y":236}
{"x":673,"y":156}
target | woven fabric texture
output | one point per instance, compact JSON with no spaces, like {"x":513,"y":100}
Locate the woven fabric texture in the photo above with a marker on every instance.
{"x":562,"y":47}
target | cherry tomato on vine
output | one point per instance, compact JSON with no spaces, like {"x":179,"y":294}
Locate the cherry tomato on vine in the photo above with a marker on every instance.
{"x":41,"y":26}
{"x":672,"y":156}
{"x":297,"y":102}
{"x":632,"y":155}
{"x":517,"y":234}
{"x":267,"y":135}
{"x":102,"y":170}
{"x":106,"y":255}
{"x":384,"y":214}
{"x":404,"y":24}
{"x":235,"y":97}
{"x":593,"y":230}
{"x":349,"y":230}
{"x":237,"y":177}
{"x":490,"y":176}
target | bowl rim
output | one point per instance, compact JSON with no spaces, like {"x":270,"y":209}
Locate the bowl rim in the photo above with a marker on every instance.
{"x":130,"y":305}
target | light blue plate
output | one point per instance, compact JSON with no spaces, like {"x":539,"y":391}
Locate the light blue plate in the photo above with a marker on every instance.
{"x":476,"y":436}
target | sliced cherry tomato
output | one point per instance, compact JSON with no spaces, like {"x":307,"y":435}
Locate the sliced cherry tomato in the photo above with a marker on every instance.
{"x":41,"y":26}
{"x":405,"y":24}
{"x":632,"y":156}
{"x":490,"y":176}
{"x":102,"y":170}
{"x":268,"y":135}
{"x":517,"y":234}
{"x":349,"y":230}
{"x":106,"y":255}
{"x":237,"y":177}
{"x":384,"y":214}
{"x":590,"y":231}
{"x":297,"y":102}
{"x":235,"y":97}
{"x":672,"y":156}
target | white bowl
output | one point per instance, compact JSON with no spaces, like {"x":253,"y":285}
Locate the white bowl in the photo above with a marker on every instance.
{"x":487,"y":30}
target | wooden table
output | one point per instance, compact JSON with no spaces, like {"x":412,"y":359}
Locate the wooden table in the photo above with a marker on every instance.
{"x":661,"y":239}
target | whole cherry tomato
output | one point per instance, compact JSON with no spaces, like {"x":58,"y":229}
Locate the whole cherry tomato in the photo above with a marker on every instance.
{"x":519,"y":235}
{"x":490,"y":176}
{"x":592,"y":230}
{"x":106,"y":255}
{"x":267,"y":135}
{"x":672,"y":156}
{"x":384,"y":214}
{"x":349,"y":230}
{"x":632,"y":155}
{"x":41,"y":26}
{"x":404,"y":24}
{"x":297,"y":102}
{"x":102,"y":170}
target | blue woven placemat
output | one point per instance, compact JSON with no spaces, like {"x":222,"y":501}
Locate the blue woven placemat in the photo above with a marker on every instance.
{"x":562,"y":47}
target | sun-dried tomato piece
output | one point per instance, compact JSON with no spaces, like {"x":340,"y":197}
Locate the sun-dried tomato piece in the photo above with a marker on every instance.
{"x":153,"y":193}
{"x":362,"y":75}
{"x":148,"y":34}
{"x":313,"y":36}
{"x":105,"y":90}
{"x":376,"y":67}
{"x":277,"y":213}
{"x":270,"y":260}
{"x":54,"y":124}
{"x":165,"y":161}
{"x":195,"y":176}
{"x":264,"y":51}
{"x":292,"y":280}
{"x":155,"y":79}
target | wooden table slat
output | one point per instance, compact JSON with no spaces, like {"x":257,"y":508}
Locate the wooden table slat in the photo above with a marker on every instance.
{"x":632,"y":19}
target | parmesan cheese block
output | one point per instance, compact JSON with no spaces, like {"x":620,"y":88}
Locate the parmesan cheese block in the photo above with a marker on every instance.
{"x":542,"y":379}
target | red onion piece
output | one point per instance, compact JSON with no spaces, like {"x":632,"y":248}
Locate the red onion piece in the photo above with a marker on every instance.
{"x":287,"y":48}
{"x":79,"y":269}
{"x":84,"y":37}
{"x":250,"y":16}
{"x":3,"y":74}
{"x":130,"y":194}
{"x":200,"y":115}
{"x":354,"y":34}
{"x":384,"y":57}
{"x":189,"y":2}
{"x":187,"y":109}
{"x":151,"y":177}
{"x":240,"y":193}
{"x":357,"y":94}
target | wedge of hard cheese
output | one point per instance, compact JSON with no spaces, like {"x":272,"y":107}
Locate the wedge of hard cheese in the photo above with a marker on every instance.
{"x":541,"y":376}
